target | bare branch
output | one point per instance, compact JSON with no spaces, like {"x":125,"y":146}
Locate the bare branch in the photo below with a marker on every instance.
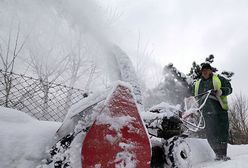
{"x":8,"y":50}
{"x":239,"y":118}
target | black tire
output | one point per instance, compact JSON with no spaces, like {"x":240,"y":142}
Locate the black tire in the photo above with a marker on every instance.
{"x":177,"y":153}
{"x":158,"y":157}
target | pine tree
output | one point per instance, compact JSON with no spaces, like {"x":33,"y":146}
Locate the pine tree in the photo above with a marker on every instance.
{"x":176,"y":83}
{"x":195,"y":71}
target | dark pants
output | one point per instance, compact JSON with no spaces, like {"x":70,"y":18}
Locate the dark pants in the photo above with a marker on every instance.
{"x":217,"y":129}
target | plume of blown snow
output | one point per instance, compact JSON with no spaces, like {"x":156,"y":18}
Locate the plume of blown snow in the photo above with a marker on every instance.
{"x":89,"y":17}
{"x":51,"y":25}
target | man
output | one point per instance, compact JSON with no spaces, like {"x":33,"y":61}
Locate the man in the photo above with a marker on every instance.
{"x":215,"y":109}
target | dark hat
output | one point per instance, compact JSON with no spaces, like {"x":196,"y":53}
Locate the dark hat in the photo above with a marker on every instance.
{"x":206,"y":66}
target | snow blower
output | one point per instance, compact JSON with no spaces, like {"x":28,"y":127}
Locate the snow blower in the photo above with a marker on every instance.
{"x":106,"y":130}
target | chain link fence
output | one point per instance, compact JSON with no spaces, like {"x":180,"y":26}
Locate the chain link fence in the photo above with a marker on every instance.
{"x":40,"y":99}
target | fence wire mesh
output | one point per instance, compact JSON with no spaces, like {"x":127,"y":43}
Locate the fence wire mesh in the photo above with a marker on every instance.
{"x":40,"y":99}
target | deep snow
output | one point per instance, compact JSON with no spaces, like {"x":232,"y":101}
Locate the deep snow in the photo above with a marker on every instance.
{"x":24,"y":141}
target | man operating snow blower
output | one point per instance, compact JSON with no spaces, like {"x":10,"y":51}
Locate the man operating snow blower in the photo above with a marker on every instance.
{"x":215,"y":109}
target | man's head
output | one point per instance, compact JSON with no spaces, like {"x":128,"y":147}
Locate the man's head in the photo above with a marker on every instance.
{"x":206,"y":70}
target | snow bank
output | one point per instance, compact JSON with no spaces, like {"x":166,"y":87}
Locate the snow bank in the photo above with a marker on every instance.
{"x":200,"y":149}
{"x":23,"y":139}
{"x":203,"y":156}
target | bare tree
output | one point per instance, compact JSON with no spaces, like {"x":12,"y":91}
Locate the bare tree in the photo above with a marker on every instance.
{"x":79,"y":68}
{"x":49,"y":66}
{"x":10,"y":49}
{"x":239,"y":119}
{"x":79,"y":63}
{"x":141,"y":58}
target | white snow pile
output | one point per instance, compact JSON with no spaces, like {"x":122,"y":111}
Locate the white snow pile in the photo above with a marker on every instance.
{"x":203,"y":156}
{"x":24,"y":140}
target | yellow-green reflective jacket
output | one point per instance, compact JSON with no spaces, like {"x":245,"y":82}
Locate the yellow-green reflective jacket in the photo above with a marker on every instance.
{"x":217,"y":85}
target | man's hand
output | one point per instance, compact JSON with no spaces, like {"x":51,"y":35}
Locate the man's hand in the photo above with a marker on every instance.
{"x":218,"y":93}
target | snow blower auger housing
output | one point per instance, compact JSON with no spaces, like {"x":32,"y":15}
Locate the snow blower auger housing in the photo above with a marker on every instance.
{"x":109,"y":130}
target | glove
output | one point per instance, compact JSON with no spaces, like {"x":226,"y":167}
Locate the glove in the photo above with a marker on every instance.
{"x":218,"y":93}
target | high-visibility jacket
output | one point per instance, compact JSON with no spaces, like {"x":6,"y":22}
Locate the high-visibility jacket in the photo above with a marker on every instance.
{"x":217,"y":85}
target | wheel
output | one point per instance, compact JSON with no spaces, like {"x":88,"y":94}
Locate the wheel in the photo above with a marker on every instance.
{"x":177,"y":153}
{"x":158,"y":157}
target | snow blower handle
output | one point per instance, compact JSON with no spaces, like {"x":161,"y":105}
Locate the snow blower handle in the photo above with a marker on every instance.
{"x":207,"y":93}
{"x":204,"y":93}
{"x":198,"y":124}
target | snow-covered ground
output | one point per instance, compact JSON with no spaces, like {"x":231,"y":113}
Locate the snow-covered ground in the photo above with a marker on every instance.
{"x":24,"y":141}
{"x":203,"y":156}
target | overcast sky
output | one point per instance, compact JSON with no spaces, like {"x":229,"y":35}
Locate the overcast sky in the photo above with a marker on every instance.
{"x":177,"y":31}
{"x":182,"y":31}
